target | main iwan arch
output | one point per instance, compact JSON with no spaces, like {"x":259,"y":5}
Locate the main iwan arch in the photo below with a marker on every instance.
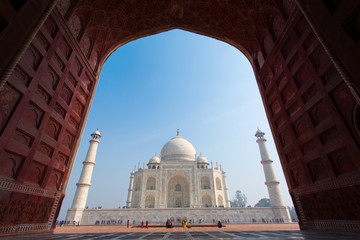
{"x":305,"y":56}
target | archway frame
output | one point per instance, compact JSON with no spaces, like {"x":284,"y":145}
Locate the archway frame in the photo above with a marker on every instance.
{"x":282,"y":49}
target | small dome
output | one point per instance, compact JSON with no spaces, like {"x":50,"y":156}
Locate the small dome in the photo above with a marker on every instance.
{"x":154,"y":159}
{"x":202,"y":159}
{"x":259,"y":134}
{"x":178,"y":148}
{"x":96,"y":133}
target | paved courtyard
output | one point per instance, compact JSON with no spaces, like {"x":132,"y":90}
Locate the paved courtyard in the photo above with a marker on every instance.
{"x":254,"y":231}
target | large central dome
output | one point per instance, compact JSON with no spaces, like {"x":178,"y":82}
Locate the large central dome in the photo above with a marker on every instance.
{"x":178,"y":148}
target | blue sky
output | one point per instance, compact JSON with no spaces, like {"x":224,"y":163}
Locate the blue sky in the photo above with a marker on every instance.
{"x":152,"y":86}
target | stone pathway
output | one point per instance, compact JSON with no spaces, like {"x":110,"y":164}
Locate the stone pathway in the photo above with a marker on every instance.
{"x":269,"y":235}
{"x":231,"y":231}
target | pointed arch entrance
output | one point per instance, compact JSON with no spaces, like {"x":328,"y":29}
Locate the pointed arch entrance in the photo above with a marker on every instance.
{"x":51,"y":61}
{"x":178,"y":192}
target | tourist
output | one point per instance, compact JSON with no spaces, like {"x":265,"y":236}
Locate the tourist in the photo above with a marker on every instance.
{"x":128,"y":223}
{"x":142,"y":224}
{"x":168,"y":223}
{"x":219,"y":224}
{"x":147,"y":224}
{"x":184,"y":223}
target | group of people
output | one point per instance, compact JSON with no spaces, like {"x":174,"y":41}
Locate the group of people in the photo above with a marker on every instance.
{"x":271,"y":220}
{"x":142,"y":224}
{"x":224,"y":221}
{"x":169,"y":224}
{"x":60,"y":223}
{"x":146,"y":224}
{"x":98,"y":207}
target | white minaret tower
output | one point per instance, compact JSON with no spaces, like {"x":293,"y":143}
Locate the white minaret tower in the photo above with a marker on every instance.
{"x":281,"y":212}
{"x":82,"y":190}
{"x":270,"y":179}
{"x":226,"y":189}
{"x":130,"y":190}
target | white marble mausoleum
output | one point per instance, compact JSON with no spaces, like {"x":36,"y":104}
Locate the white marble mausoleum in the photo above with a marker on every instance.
{"x":178,"y":179}
{"x":178,"y":184}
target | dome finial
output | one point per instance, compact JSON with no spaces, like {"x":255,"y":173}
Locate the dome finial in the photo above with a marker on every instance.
{"x":96,"y":135}
{"x":177,"y":134}
{"x":259,"y":134}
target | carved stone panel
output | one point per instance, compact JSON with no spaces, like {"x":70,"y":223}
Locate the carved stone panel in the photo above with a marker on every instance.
{"x":9,"y":98}
{"x":32,"y":57}
{"x":43,"y":94}
{"x":298,"y":176}
{"x":46,"y":149}
{"x":66,"y":94}
{"x":19,"y":76}
{"x":55,"y":179}
{"x":33,"y":115}
{"x":10,"y":164}
{"x":341,"y":161}
{"x":51,"y":27}
{"x":49,"y":79}
{"x":21,"y":208}
{"x":64,"y":6}
{"x":23,"y":138}
{"x":68,"y":140}
{"x":35,"y":173}
{"x":317,"y":170}
{"x":75,"y":26}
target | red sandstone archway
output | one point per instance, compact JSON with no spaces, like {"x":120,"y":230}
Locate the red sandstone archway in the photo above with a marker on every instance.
{"x":52,"y":58}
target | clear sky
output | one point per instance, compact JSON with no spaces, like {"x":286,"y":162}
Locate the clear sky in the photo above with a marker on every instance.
{"x":152,"y":86}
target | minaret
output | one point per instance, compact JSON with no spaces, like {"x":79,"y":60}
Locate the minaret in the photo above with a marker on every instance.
{"x":82,"y":190}
{"x":270,"y":179}
{"x":226,"y":189}
{"x":130,"y":190}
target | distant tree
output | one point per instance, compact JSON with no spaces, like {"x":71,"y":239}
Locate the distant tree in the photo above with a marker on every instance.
{"x":264,"y":202}
{"x":240,"y":199}
{"x":293,"y":215}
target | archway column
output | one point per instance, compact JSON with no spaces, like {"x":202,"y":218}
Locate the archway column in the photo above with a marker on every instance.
{"x":327,"y":29}
{"x":307,"y":101}
{"x":49,"y":95}
{"x":31,"y":24}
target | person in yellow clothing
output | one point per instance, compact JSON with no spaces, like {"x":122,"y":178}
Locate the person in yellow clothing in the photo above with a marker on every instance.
{"x":184,"y":223}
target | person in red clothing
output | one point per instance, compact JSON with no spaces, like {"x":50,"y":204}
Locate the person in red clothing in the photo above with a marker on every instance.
{"x":147,"y":224}
{"x":142,"y":224}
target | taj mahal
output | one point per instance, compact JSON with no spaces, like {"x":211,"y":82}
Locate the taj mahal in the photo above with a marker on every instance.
{"x":178,"y":179}
{"x":176,"y":185}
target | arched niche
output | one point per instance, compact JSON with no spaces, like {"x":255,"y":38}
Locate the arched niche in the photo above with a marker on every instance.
{"x":150,"y":201}
{"x":206,"y":201}
{"x":205,"y":183}
{"x":151,"y":183}
{"x":178,"y":192}
{"x":218,"y":184}
{"x":220,"y":201}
